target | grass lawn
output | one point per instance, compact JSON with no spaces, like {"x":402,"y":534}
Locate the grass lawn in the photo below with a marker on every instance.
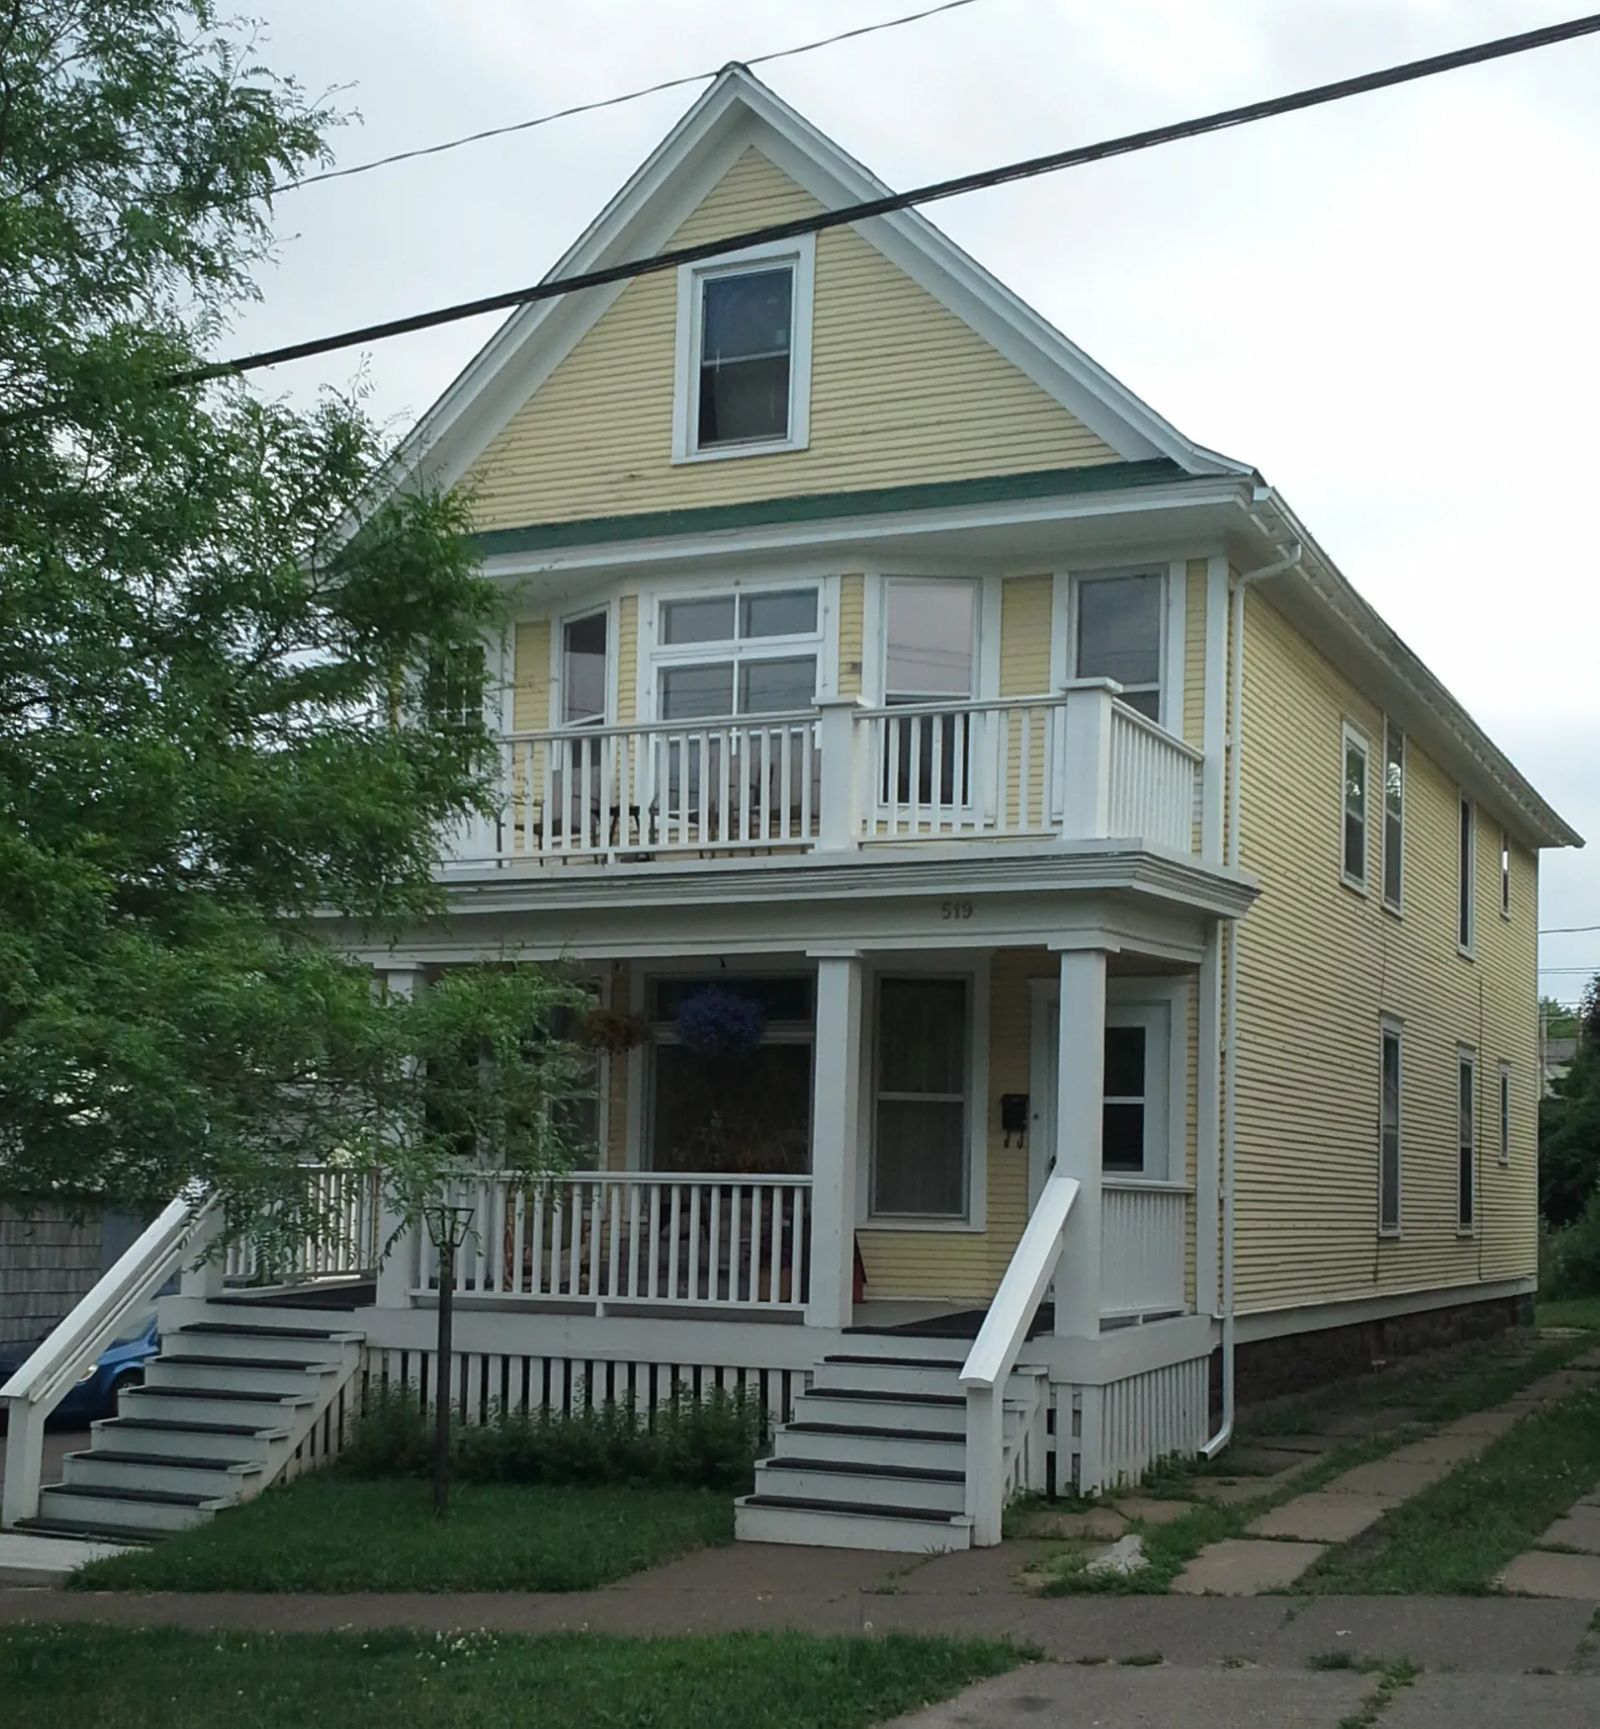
{"x":115,"y":1678}
{"x":1456,"y":1536}
{"x":331,"y":1533}
{"x":1438,"y":1392}
{"x":1575,"y":1312}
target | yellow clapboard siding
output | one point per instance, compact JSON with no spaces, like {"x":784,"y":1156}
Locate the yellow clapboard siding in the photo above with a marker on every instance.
{"x":1026,"y":603}
{"x":1194,"y":653}
{"x":901,"y":391}
{"x":627,"y":659}
{"x":852,"y":632}
{"x":1320,"y":964}
{"x":530,"y":703}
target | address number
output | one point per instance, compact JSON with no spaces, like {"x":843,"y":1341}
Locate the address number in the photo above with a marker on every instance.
{"x":955,"y":909}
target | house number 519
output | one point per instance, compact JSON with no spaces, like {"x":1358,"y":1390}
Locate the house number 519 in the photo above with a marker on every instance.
{"x":955,"y":909}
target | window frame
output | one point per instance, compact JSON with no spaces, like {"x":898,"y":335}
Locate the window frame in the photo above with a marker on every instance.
{"x":800,"y":256}
{"x":1167,"y":708}
{"x":1505,"y":873}
{"x":1466,"y":876}
{"x":558,"y":674}
{"x":1391,"y":1027}
{"x":1504,"y":1096}
{"x":1158,"y":1016}
{"x":1352,"y":735}
{"x":657,"y":655}
{"x":1466,"y":1149}
{"x":1398,"y":903}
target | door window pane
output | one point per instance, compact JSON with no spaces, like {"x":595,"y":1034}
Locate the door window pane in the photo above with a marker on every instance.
{"x":919,"y":1163}
{"x":583,"y":670}
{"x":744,"y":356}
{"x":1119,"y":631}
{"x":778,"y":686}
{"x":932,"y":633}
{"x":1122,"y":1138}
{"x":791,"y":612}
{"x":690,"y":692}
{"x":1124,"y":1117}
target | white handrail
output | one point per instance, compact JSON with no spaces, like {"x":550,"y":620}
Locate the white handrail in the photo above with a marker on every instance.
{"x":995,"y":1351}
{"x":46,"y":1378}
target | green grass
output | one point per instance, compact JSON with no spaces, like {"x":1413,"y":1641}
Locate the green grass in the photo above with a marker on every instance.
{"x":1438,"y":1392}
{"x":1393,"y":1678}
{"x":1575,"y":1312}
{"x":328,"y":1533}
{"x":116,"y":1678}
{"x":1454,"y":1537}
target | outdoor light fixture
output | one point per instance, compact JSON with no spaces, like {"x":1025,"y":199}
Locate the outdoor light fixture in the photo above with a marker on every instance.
{"x":447,"y":1225}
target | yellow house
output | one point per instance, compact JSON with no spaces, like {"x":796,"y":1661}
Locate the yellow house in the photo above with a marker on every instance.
{"x":1053,"y":942}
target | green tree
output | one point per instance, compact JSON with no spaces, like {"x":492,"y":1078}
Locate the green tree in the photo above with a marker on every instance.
{"x":1569,"y":1124}
{"x":239,"y":677}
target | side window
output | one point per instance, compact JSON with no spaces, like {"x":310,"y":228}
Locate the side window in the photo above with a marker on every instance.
{"x":1505,"y":1113}
{"x":1389,"y":1086}
{"x":1466,"y":865}
{"x":1117,"y":632}
{"x":1505,"y":874}
{"x":1353,"y":857}
{"x":585,"y":669}
{"x":1466,"y":1140}
{"x":1394,"y":814}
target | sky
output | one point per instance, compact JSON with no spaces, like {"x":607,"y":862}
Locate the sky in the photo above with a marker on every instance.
{"x":1386,"y":305}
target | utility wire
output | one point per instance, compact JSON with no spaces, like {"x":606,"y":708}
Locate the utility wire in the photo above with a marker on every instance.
{"x":614,"y":101}
{"x":1268,"y":109}
{"x":1566,"y":930}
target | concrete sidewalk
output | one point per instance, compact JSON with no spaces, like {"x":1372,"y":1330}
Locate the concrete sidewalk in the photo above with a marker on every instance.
{"x":753,"y":1587}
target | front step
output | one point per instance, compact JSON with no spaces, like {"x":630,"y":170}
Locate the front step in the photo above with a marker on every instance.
{"x":849,"y":1525}
{"x":135,"y":1436}
{"x":213,"y":1479}
{"x":887,"y":1374}
{"x":942,"y":1413}
{"x":870,"y":1445}
{"x":937,"y":1491}
{"x":206,"y":1405}
{"x":127,"y":1508}
{"x":183,"y":1370}
{"x":235,"y":1339}
{"x":81,"y":1529}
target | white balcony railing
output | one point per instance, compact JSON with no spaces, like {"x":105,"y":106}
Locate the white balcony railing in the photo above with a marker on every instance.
{"x":1144,"y":1231}
{"x":635,"y":1237}
{"x":1079,"y":765}
{"x":341,"y":1239}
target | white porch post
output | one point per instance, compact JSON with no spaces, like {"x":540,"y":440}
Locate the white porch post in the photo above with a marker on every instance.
{"x":843,"y":754}
{"x":1086,"y":769}
{"x":835,"y":1137}
{"x":398,"y":1269}
{"x":1080,"y":1094}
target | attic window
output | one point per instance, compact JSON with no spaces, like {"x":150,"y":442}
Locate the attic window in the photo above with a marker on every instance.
{"x":744,"y":354}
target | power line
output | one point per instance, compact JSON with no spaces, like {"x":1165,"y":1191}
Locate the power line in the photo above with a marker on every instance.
{"x":1267,"y":109}
{"x":1567,"y":930}
{"x":614,"y":101}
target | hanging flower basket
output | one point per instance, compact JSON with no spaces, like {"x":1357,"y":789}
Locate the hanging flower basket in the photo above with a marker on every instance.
{"x":717,"y":1022}
{"x":613,"y":1030}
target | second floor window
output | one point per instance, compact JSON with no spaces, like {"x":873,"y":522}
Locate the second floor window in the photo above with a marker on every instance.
{"x":1466,"y":912}
{"x":1394,"y":814}
{"x":750,"y":652}
{"x":1353,"y":858}
{"x":929,"y":656}
{"x":584,"y":670}
{"x":1117,"y":631}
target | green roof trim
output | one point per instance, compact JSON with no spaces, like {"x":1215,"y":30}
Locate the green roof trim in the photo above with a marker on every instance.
{"x":820,"y":506}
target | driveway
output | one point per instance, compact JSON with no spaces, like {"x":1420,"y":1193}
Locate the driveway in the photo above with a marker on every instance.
{"x":57,"y":1443}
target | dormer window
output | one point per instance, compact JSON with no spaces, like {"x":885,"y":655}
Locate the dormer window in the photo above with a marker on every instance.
{"x":744,"y":354}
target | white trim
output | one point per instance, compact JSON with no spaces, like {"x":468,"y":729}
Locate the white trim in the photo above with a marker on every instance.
{"x":800,"y":257}
{"x":1467,"y":876}
{"x":1215,"y":744}
{"x":1350,"y":734}
{"x":1392,"y":1025}
{"x":1318,"y":1317}
{"x":1397,"y":906}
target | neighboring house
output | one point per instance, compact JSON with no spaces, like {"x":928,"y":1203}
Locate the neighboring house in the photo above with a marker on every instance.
{"x":1557,"y":1056}
{"x":1064,"y":857}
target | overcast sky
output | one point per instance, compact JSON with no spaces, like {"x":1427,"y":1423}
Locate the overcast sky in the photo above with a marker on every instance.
{"x":1386,"y":305}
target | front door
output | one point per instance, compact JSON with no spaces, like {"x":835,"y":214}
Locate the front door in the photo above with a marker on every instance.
{"x":1134,"y":1121}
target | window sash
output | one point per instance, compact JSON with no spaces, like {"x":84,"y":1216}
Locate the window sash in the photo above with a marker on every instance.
{"x":1505,"y":874}
{"x":1466,"y":921}
{"x":1466,"y":1141}
{"x":1143,"y":694}
{"x":734,"y":653}
{"x":946,"y":1192}
{"x":773,"y":362}
{"x":1356,"y":783}
{"x":1391,"y":1083}
{"x":1394,"y":815}
{"x":590,"y":713}
{"x":1505,"y":1115}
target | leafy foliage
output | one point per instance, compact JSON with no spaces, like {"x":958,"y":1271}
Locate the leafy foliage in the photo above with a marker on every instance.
{"x":1569,"y":1129}
{"x":223,"y":642}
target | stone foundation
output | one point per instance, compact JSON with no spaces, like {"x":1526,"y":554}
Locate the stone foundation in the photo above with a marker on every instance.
{"x":1296,"y":1362}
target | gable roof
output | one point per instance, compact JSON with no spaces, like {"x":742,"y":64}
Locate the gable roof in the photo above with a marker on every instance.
{"x":736,"y":112}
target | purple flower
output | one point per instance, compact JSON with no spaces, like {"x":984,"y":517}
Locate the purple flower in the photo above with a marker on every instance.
{"x":720,"y":1023}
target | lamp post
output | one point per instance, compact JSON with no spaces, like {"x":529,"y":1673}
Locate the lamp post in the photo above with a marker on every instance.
{"x":447,"y":1225}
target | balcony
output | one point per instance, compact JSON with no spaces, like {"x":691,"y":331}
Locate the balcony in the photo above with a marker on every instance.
{"x":1077,"y":766}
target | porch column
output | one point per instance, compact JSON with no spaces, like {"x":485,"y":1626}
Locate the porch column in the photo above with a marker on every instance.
{"x":398,"y":1269}
{"x":1080,"y":1094}
{"x":835,"y":1140}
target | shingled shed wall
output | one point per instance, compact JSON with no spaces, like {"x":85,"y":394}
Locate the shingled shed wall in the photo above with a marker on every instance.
{"x":47,"y":1263}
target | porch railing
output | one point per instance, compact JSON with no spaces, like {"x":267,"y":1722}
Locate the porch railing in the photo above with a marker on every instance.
{"x":635,"y":1237}
{"x":342,"y":1208}
{"x":1077,"y":765}
{"x":1144,"y":1232}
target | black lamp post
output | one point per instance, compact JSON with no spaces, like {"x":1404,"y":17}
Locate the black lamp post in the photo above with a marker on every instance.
{"x":447,"y":1231}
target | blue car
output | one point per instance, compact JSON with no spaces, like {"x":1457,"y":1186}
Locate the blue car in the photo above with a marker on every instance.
{"x":120,"y":1364}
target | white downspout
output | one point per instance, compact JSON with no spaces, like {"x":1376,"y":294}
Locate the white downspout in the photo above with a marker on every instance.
{"x":1230,"y":1001}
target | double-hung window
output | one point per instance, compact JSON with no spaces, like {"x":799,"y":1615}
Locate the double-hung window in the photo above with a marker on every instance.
{"x":744,"y":353}
{"x":921,"y":1108}
{"x":929,"y":657}
{"x":1394,"y":814}
{"x":1505,"y":1113}
{"x":744,"y":652}
{"x":1389,"y":1085}
{"x":1466,"y":911}
{"x":1117,"y":631}
{"x":1353,"y":855}
{"x":1466,"y":1138}
{"x":1505,"y":874}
